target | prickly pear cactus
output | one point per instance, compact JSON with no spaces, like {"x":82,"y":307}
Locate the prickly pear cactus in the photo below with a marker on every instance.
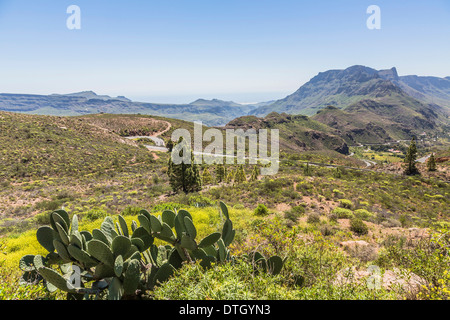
{"x":121,"y":262}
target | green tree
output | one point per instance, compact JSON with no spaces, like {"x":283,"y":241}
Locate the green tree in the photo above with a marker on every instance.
{"x":230,"y":176}
{"x":220,"y":173}
{"x":240,"y":177}
{"x":255,"y":174}
{"x":431,"y":164}
{"x":207,"y":177}
{"x":410,"y":159}
{"x":184,"y":176}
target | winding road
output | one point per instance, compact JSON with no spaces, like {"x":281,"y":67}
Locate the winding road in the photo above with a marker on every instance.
{"x":159,"y":142}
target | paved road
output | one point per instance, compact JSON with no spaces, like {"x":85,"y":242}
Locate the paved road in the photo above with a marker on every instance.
{"x":423,"y":159}
{"x":158,"y":141}
{"x":369,"y":163}
{"x":160,"y":144}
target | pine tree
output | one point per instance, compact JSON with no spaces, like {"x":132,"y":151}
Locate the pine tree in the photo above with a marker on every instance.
{"x":240,"y":177}
{"x":410,"y":159}
{"x":230,"y":176}
{"x":220,"y":173}
{"x":206,"y":177}
{"x":255,"y":174}
{"x":184,"y":176}
{"x":431,"y":164}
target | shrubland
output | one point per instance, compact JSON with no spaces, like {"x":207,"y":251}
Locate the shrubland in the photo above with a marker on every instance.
{"x":307,"y":213}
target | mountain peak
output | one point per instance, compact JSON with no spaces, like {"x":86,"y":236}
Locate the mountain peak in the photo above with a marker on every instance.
{"x":389,"y":74}
{"x":356,"y":73}
{"x":339,"y":88}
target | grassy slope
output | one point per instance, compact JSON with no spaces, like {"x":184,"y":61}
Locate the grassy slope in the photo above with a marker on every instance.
{"x":297,"y":133}
{"x":291,"y":196}
{"x":392,"y":117}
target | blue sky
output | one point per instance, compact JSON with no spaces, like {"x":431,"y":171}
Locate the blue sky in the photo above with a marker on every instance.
{"x":241,"y":50}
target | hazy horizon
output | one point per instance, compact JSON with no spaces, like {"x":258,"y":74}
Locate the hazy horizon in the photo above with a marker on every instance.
{"x":174,"y":98}
{"x":244,"y":51}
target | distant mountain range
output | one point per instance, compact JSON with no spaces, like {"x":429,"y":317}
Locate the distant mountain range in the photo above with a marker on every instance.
{"x":341,"y":88}
{"x":362,"y":104}
{"x":211,"y":112}
{"x":369,"y":106}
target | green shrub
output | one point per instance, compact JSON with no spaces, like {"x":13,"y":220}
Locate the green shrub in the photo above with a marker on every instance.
{"x":290,"y":193}
{"x":338,"y":193}
{"x":155,"y":179}
{"x":131,"y":211}
{"x":332,"y":217}
{"x":363,"y":214}
{"x":342,"y":213}
{"x":95,"y":214}
{"x":49,"y":205}
{"x":391,"y":223}
{"x":313,"y":218}
{"x":364,"y":204}
{"x":42,"y":218}
{"x":261,"y":210}
{"x":229,"y":281}
{"x":294,"y":213}
{"x":346,"y":204}
{"x":358,"y":226}
{"x":364,"y":253}
{"x":168,"y":206}
{"x":200,"y":201}
{"x":271,"y":185}
{"x":64,"y":195}
{"x":327,"y":230}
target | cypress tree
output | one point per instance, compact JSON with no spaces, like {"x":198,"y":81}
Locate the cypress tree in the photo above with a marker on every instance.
{"x":230,"y":176}
{"x":255,"y":174}
{"x":220,"y":173}
{"x":206,"y":177}
{"x":184,"y":176}
{"x":240,"y":175}
{"x":431,"y":164}
{"x":410,"y":159}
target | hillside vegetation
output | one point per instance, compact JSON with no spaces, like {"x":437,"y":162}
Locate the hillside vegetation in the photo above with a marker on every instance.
{"x":331,"y":222}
